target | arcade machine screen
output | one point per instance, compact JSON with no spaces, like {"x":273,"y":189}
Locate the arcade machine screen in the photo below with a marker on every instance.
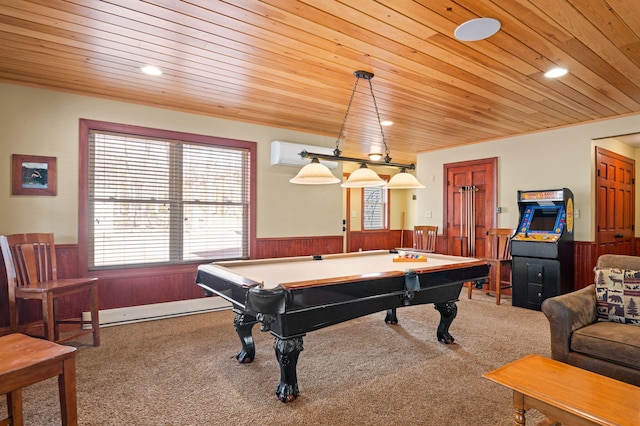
{"x":541,"y":223}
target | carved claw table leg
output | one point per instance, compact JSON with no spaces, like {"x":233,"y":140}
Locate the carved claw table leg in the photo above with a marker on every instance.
{"x":287,"y":353}
{"x":243,"y":323}
{"x":448,"y":312}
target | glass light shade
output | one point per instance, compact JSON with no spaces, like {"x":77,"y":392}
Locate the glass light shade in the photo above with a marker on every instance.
{"x":404,"y":180}
{"x":362,"y":178}
{"x":314,"y":173}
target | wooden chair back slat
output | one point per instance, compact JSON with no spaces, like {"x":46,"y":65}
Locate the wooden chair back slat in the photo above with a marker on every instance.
{"x":30,"y":262}
{"x":498,"y":254}
{"x":499,"y":240}
{"x":9,"y":267}
{"x":33,"y":257}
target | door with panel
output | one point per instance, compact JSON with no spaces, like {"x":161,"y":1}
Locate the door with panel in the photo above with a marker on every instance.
{"x":470,"y":202}
{"x":615,"y":203}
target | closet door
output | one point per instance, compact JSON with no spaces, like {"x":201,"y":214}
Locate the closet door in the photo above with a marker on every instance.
{"x":615,"y":203}
{"x":470,"y":206}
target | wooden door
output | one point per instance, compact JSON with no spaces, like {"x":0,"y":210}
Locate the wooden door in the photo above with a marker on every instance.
{"x":477,"y":177}
{"x":615,"y":203}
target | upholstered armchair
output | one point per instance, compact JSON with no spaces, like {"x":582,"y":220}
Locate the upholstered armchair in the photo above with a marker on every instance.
{"x":586,"y":333}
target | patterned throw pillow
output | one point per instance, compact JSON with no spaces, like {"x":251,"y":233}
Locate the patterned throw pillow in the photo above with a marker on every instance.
{"x":618,"y":295}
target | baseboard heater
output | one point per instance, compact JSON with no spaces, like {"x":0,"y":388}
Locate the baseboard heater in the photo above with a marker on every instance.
{"x":156,"y":311}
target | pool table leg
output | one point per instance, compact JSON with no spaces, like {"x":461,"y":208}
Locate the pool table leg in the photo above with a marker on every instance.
{"x":448,"y":312}
{"x":243,"y":323}
{"x":392,"y":317}
{"x":287,"y":353}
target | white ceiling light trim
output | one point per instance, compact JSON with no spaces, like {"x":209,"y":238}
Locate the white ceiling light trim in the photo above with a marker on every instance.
{"x":477,"y":29}
{"x":556,"y":72}
{"x":151,"y":70}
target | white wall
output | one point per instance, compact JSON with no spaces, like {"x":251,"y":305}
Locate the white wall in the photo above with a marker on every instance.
{"x":544,"y":160}
{"x":43,"y":122}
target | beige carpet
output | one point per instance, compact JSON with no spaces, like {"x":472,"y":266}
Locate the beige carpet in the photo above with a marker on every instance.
{"x":182,"y":371}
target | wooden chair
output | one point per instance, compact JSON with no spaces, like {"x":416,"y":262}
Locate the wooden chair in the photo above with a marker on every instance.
{"x":498,"y":255}
{"x":30,"y":261}
{"x":24,"y":361}
{"x":425,"y":238}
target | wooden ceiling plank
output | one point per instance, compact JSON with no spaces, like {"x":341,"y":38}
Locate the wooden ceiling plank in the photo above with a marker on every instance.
{"x":152,"y":37}
{"x":137,"y":55}
{"x":290,"y":64}
{"x":435,"y":60}
{"x":49,"y":49}
{"x":570,"y":18}
{"x":422,"y":77}
{"x":449,"y":89}
{"x":536,"y":31}
{"x":126,"y":84}
{"x":493,"y":67}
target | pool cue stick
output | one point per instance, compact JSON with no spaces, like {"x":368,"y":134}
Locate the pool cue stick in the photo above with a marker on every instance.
{"x":402,"y":231}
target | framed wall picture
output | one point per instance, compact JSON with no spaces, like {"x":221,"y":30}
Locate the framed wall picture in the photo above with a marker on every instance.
{"x":33,"y":175}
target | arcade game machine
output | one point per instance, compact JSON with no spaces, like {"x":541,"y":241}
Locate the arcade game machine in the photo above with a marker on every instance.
{"x":542,"y":247}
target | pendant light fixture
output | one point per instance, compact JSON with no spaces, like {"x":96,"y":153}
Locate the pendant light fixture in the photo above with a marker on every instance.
{"x":316,"y":173}
{"x":404,"y":180}
{"x":363,"y":178}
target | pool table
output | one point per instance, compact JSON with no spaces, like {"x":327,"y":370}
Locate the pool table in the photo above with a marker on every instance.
{"x":295,"y":295}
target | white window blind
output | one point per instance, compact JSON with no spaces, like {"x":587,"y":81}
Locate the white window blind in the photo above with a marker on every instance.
{"x":158,"y":201}
{"x":374,"y":207}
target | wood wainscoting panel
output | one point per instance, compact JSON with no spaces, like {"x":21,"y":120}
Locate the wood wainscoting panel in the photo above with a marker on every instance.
{"x":297,"y":246}
{"x":143,"y":286}
{"x":585,"y":256}
{"x":375,"y":240}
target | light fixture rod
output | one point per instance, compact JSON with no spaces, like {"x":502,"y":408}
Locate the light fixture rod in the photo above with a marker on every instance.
{"x":305,"y":154}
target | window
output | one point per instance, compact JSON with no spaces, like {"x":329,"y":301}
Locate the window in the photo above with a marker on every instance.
{"x":156,"y":197}
{"x":375,"y":208}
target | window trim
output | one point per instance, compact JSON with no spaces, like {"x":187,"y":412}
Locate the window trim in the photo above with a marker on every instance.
{"x":83,"y":189}
{"x":387,"y":205}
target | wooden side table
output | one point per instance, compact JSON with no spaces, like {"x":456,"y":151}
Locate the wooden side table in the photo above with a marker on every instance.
{"x":567,"y":394}
{"x":26,"y":360}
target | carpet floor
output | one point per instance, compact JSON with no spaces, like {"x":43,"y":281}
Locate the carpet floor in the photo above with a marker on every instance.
{"x":182,"y":371}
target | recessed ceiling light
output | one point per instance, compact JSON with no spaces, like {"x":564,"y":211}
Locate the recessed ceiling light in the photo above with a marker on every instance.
{"x":477,"y":29}
{"x":151,"y":70}
{"x":375,"y":153}
{"x":375,"y":156}
{"x":386,"y":123}
{"x":556,"y":72}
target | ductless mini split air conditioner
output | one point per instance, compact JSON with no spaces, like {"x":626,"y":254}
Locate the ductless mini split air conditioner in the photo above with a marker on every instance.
{"x":288,"y":154}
